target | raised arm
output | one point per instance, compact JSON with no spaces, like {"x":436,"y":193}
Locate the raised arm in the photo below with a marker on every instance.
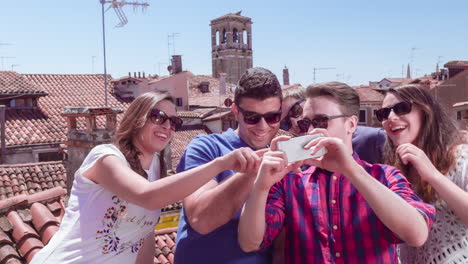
{"x":253,"y":225}
{"x":455,"y":196}
{"x":397,"y":214}
{"x":111,"y":172}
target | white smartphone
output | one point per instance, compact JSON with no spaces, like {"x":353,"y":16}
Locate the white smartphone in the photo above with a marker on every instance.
{"x":295,"y":151}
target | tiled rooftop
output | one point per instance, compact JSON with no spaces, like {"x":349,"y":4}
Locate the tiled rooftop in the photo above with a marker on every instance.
{"x":456,"y":64}
{"x":14,"y":83}
{"x":27,"y":222}
{"x":165,"y":245}
{"x":24,"y":179}
{"x":180,"y":141}
{"x":369,"y":95}
{"x":45,"y":125}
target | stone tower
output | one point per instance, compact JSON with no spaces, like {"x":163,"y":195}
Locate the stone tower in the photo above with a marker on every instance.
{"x":231,"y":46}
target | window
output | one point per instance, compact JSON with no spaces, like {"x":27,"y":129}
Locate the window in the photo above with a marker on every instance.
{"x":362,"y":116}
{"x":459,"y":115}
{"x":50,"y":156}
{"x":179,"y":101}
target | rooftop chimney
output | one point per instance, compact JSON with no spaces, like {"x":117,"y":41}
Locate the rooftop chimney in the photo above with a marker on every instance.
{"x":80,"y":142}
{"x":285,"y":76}
{"x":139,"y":74}
{"x":176,"y":64}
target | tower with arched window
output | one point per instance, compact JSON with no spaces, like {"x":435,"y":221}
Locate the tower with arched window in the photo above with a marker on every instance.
{"x":231,"y":46}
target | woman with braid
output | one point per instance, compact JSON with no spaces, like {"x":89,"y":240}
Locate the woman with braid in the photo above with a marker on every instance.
{"x":426,"y":145}
{"x":119,"y":189}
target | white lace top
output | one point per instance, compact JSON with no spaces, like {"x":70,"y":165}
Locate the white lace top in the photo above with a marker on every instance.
{"x":448,"y":239}
{"x":98,"y":226}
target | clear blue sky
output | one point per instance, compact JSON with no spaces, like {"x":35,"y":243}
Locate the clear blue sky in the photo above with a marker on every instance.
{"x":364,"y":40}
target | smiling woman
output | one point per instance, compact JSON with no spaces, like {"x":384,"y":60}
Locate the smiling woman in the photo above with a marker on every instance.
{"x":426,"y":145}
{"x":119,"y":189}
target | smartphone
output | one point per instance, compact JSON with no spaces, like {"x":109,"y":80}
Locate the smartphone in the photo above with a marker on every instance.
{"x":295,"y":151}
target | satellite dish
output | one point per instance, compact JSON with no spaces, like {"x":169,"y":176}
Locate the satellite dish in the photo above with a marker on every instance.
{"x":169,"y":68}
{"x":228,"y":102}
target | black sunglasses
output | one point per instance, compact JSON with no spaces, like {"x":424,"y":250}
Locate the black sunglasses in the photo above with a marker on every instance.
{"x":316,"y":122}
{"x":253,"y":118}
{"x":158,"y":117}
{"x":401,"y":108}
{"x":295,"y":111}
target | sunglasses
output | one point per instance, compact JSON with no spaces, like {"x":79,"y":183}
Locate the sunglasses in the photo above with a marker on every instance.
{"x":158,"y":117}
{"x":316,"y":122}
{"x":253,"y":118}
{"x":295,"y":111}
{"x":401,"y":108}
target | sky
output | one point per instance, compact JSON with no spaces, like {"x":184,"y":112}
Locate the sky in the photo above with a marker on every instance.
{"x":361,"y":40}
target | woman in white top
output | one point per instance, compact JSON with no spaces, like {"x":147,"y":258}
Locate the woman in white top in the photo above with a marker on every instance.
{"x":119,"y":189}
{"x":426,"y":145}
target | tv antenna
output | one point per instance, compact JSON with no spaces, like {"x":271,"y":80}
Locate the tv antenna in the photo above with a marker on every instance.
{"x":319,"y":69}
{"x":412,"y":60}
{"x":171,"y":43}
{"x":5,"y":57}
{"x":13,"y":66}
{"x":117,"y":6}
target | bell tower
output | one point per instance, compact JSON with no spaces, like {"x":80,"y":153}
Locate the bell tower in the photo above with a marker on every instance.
{"x":231,"y":46}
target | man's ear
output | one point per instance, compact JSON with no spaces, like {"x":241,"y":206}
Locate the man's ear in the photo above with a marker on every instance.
{"x":235,"y":110}
{"x":352,"y":124}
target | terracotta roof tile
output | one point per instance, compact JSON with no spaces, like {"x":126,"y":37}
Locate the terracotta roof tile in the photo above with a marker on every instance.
{"x":456,"y":64}
{"x":45,"y":124}
{"x":165,"y":245}
{"x":15,"y":83}
{"x":26,"y":224}
{"x":16,"y":179}
{"x":180,"y":142}
{"x":369,"y":95}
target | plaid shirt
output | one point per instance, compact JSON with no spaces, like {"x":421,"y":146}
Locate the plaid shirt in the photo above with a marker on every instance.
{"x":327,"y":220}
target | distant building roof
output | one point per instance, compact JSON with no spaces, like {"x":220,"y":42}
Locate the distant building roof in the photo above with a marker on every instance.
{"x":369,"y":95}
{"x":397,"y":80}
{"x":17,"y":84}
{"x":456,"y":64}
{"x":180,"y":141}
{"x":44,"y":124}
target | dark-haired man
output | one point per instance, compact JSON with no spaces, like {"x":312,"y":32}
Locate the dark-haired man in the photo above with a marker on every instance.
{"x":208,"y":226}
{"x":341,"y":209}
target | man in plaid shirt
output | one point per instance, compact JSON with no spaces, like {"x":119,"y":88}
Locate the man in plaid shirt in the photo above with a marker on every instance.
{"x":339,"y":210}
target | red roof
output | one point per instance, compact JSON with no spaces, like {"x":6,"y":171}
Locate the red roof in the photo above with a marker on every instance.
{"x":44,"y":124}
{"x":180,"y":141}
{"x":369,"y":95}
{"x":23,"y":179}
{"x":14,"y":83}
{"x":456,"y":64}
{"x":398,"y":80}
{"x":165,"y":245}
{"x":27,"y":223}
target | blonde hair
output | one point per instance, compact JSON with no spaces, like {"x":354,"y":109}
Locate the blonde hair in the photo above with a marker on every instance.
{"x":133,"y":120}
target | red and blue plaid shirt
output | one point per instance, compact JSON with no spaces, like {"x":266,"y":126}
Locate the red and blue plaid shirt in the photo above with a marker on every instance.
{"x":327,"y":220}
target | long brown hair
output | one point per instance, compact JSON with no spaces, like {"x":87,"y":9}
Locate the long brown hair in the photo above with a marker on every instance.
{"x":133,"y":120}
{"x":438,"y":137}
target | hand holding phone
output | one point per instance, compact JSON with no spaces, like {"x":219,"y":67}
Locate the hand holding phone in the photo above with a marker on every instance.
{"x":295,"y":151}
